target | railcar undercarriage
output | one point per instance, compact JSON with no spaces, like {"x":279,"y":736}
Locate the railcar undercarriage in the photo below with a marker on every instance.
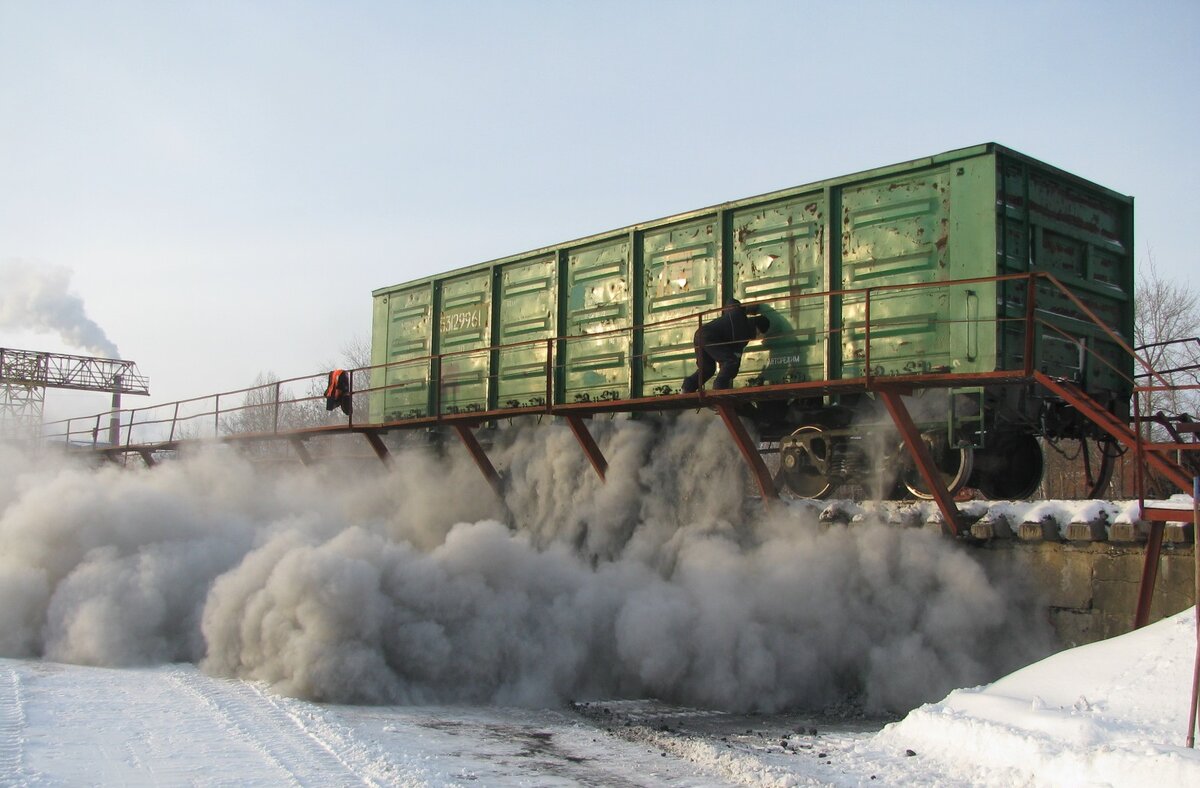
{"x":998,"y":455}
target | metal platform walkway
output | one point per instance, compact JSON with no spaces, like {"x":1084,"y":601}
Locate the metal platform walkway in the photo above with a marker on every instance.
{"x":294,"y":410}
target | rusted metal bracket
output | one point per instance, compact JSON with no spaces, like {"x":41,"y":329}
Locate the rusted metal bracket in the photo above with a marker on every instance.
{"x":481,"y":459}
{"x":922,"y":457}
{"x":147,"y":457}
{"x":301,"y":451}
{"x":766,"y":485}
{"x":381,"y":451}
{"x":588,"y":443}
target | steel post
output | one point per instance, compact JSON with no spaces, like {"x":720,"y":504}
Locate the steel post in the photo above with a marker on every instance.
{"x":114,"y":421}
{"x":301,"y":451}
{"x":481,"y":459}
{"x":923,"y":459}
{"x":766,"y":485}
{"x":381,"y":451}
{"x":588,"y":443}
{"x":1149,"y":574}
{"x":1030,"y":317}
{"x":1191,"y":734}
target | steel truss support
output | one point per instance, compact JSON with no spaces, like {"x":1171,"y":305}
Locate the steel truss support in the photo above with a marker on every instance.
{"x":923,"y":459}
{"x":766,"y":485}
{"x":588,"y":443}
{"x":301,"y":451}
{"x":481,"y":459}
{"x":1149,"y":574}
{"x":381,"y":451}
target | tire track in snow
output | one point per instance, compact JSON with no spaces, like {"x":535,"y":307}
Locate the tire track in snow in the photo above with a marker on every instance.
{"x":251,"y":716}
{"x":368,"y":761}
{"x":12,"y":727}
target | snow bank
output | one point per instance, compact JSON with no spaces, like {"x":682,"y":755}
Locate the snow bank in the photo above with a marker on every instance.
{"x":1113,"y":712}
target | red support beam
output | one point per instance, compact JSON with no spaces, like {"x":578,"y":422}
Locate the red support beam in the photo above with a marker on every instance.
{"x":920,"y":453}
{"x":301,"y":451}
{"x":1149,"y":575}
{"x":381,"y":451}
{"x":758,"y":468}
{"x":588,"y":443}
{"x":481,"y":459}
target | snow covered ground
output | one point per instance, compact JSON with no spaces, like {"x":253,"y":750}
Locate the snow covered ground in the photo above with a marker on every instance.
{"x":1112,"y":713}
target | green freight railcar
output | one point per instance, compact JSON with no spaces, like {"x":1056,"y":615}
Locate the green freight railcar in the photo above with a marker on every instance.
{"x":611,"y":316}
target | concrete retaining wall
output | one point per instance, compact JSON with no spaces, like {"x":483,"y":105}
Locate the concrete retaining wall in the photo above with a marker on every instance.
{"x":1090,"y":589}
{"x":1082,"y":558}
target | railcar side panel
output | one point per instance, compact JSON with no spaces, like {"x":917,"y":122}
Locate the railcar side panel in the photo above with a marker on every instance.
{"x":595,"y":360}
{"x":464,"y":340}
{"x":405,"y":334}
{"x":681,"y":279}
{"x":906,"y":230}
{"x":778,"y":256}
{"x":527,"y":306}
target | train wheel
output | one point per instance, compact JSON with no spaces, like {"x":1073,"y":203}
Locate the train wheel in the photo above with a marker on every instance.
{"x":804,"y":462}
{"x":954,"y":463}
{"x":1010,"y":469}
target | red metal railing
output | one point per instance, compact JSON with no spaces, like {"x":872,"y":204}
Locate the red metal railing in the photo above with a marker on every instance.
{"x":292,"y":407}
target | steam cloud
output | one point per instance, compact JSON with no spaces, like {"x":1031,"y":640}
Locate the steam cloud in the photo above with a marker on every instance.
{"x":37,"y":297}
{"x":359,"y":585}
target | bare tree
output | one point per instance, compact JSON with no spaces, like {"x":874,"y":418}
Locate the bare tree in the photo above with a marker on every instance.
{"x":356,"y":353}
{"x":1166,"y":328}
{"x":269,"y":406}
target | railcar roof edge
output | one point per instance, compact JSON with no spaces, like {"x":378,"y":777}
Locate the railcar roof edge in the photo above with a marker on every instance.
{"x":912,"y":164}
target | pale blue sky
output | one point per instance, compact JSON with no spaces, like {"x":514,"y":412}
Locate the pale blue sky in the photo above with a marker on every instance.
{"x":229,"y":181}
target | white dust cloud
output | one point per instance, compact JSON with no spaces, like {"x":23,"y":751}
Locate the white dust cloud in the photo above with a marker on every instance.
{"x":38,"y":298}
{"x":352,"y":584}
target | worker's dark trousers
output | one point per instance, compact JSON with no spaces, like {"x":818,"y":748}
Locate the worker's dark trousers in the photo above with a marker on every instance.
{"x":707,"y":359}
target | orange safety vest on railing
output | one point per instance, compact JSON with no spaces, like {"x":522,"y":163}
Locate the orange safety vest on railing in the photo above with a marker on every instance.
{"x":337,"y":393}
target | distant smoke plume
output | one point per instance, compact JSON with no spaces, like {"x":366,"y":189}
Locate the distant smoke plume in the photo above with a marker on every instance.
{"x":36,"y":298}
{"x":406,"y":586}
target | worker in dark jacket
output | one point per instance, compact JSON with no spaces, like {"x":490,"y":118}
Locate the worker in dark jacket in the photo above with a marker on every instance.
{"x":722,"y":341}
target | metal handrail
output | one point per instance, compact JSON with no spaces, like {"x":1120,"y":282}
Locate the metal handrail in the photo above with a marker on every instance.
{"x":554,"y":346}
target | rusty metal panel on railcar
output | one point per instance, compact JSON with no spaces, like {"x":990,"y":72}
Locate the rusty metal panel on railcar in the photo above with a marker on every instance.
{"x":918,"y":228}
{"x":526,"y":324}
{"x":595,"y":355}
{"x":681,"y":278}
{"x":404,"y":341}
{"x":778,"y":261}
{"x":464,"y":342}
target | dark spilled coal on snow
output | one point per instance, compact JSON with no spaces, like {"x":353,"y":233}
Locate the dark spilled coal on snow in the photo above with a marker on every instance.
{"x":740,"y":741}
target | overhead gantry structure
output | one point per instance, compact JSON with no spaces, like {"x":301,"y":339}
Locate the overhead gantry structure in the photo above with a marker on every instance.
{"x":26,"y":374}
